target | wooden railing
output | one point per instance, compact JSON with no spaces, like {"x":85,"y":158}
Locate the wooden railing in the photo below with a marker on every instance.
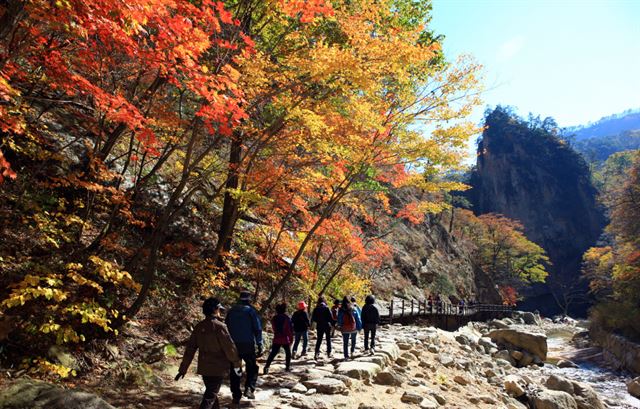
{"x":401,"y":308}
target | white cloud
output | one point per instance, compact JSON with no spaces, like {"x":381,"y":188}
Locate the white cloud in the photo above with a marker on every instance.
{"x":510,"y":48}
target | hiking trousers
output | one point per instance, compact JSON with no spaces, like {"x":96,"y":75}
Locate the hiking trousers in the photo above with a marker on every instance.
{"x":304,"y":335}
{"x":346,"y":336}
{"x":324,"y":332}
{"x":212,"y":388}
{"x":251,"y":369}
{"x":275,"y":348}
{"x":369,"y":331}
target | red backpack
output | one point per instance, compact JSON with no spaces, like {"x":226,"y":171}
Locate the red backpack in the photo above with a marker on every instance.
{"x":348,"y":322}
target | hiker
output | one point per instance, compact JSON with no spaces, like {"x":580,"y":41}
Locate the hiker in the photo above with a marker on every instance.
{"x":334,"y":315}
{"x":370,"y":322}
{"x":321,"y":316}
{"x":246,"y":331}
{"x":349,"y":324}
{"x":301,"y":325}
{"x":356,"y":306}
{"x":217,"y":353}
{"x":282,"y":337}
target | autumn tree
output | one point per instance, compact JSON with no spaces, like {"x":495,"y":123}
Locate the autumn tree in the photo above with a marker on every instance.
{"x":614,"y":270}
{"x":501,"y":249}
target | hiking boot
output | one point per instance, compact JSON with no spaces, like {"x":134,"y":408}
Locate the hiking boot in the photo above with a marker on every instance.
{"x":372,"y":351}
{"x":304,"y":353}
{"x":265,"y":371}
{"x":329,"y":355}
{"x":316,"y":356}
{"x":288,"y":369}
{"x":248,"y":393}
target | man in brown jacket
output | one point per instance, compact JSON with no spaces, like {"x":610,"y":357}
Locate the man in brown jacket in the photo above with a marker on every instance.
{"x":217,"y":352}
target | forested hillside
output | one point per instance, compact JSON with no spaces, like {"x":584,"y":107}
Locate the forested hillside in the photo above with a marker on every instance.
{"x":153,"y":152}
{"x":613,"y":267}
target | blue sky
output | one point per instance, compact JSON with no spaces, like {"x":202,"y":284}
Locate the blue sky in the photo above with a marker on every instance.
{"x":576,"y":61}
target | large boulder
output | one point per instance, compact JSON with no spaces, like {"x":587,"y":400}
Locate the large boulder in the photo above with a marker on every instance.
{"x":548,"y":399}
{"x":531,"y":342}
{"x":40,"y":395}
{"x":530,"y":318}
{"x":584,"y":395}
{"x":633,"y":387}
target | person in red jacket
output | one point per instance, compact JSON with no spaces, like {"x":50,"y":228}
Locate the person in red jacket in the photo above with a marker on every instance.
{"x":282,"y":337}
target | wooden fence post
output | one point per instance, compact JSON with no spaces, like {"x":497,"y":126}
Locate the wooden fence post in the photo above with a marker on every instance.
{"x":391,"y":312}
{"x":402,"y":312}
{"x":411,"y":307}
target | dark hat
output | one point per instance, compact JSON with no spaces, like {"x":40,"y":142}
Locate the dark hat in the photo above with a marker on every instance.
{"x":245,"y":296}
{"x":210,"y":305}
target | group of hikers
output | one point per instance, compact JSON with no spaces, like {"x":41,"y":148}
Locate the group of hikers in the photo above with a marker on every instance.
{"x":225,"y":341}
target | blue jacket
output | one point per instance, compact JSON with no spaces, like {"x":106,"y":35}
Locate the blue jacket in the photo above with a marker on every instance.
{"x":356,"y":316}
{"x":244,"y":325}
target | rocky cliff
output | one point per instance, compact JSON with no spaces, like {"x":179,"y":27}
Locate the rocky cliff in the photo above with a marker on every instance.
{"x":526,"y":173}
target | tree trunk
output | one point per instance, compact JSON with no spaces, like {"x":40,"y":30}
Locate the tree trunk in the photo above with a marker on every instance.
{"x":230,"y":205}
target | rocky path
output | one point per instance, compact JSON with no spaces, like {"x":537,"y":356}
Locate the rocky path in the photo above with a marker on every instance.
{"x":413,"y":367}
{"x":479,"y":366}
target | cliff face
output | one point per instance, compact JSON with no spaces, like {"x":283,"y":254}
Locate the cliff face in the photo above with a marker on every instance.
{"x":528,"y":174}
{"x":428,"y":260}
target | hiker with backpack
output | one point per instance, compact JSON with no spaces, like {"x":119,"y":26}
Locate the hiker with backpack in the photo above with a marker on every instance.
{"x":349,"y":323}
{"x":370,"y":322}
{"x":321,"y":317}
{"x":301,"y":325}
{"x":245,"y":328}
{"x":282,"y":337}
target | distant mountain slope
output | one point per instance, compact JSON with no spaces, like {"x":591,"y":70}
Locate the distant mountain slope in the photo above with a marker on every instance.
{"x":607,"y":126}
{"x":598,"y":149}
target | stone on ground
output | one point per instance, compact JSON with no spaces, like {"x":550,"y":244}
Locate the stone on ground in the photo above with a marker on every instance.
{"x":411,"y":397}
{"x":329,"y":386}
{"x":633,"y":387}
{"x":514,"y":385}
{"x":30,"y":394}
{"x":548,"y":399}
{"x":358,"y":370}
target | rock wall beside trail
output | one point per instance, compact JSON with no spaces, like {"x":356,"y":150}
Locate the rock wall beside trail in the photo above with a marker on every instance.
{"x":618,"y":351}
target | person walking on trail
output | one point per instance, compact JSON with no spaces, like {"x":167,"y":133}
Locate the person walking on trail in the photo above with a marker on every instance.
{"x":217,"y":353}
{"x":349,"y":323}
{"x":321,"y":317}
{"x":301,"y":326}
{"x":355,"y":305}
{"x":334,"y":315}
{"x":246,"y":331}
{"x":370,"y":322}
{"x":282,"y":337}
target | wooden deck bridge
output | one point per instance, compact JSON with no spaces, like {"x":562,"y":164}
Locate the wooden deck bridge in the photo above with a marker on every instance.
{"x":441,"y":315}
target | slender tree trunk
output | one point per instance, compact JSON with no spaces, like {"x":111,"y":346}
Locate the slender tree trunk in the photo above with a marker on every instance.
{"x":230,"y":205}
